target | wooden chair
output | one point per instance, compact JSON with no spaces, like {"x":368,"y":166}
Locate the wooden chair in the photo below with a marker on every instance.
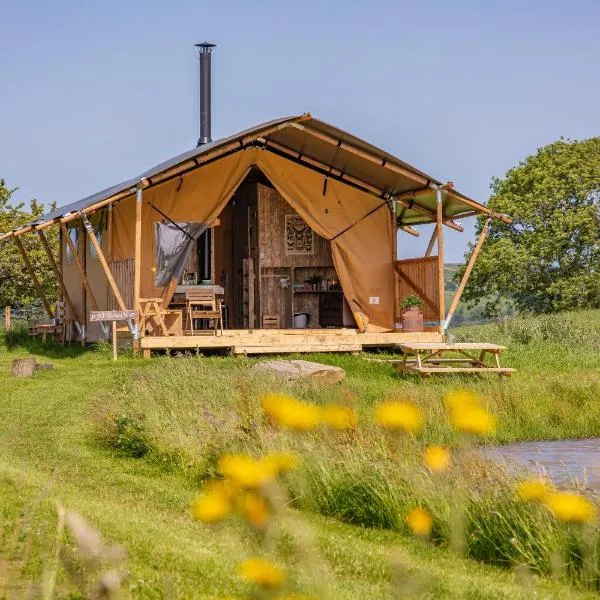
{"x":60,"y":330}
{"x":156,"y":318}
{"x":203,"y":304}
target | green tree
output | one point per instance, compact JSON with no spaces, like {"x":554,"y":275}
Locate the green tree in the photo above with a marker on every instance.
{"x":16,"y":287}
{"x":549,"y":258}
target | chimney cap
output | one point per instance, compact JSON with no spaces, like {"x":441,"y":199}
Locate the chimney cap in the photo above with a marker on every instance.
{"x":205,"y":46}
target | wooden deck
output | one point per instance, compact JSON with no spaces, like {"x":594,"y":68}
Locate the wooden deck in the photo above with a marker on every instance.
{"x":282,"y":341}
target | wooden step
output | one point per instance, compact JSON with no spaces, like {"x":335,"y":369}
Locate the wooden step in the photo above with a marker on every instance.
{"x":296,"y":348}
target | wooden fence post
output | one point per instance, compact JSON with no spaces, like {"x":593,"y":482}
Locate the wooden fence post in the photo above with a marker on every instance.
{"x":7,"y":315}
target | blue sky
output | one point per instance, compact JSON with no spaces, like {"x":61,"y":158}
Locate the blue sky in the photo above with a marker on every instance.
{"x":92,"y":93}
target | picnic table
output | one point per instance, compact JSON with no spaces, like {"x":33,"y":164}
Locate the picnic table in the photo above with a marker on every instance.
{"x":428,"y":358}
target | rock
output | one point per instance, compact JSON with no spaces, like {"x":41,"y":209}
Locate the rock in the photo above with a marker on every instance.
{"x":301,"y":369}
{"x":26,"y":367}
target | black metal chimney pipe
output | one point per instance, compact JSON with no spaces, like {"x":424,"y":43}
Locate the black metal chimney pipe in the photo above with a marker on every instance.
{"x":205,"y":49}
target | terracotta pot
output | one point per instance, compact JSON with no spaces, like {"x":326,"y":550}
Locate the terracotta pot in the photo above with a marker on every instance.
{"x":412,"y":319}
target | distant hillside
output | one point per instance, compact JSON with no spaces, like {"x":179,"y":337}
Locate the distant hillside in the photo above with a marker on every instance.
{"x":467,"y":314}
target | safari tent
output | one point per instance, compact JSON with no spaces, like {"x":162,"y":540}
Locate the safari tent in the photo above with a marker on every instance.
{"x":295,"y":224}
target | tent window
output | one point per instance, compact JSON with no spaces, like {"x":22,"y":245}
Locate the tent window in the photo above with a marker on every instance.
{"x":74,"y":235}
{"x":98,"y":222}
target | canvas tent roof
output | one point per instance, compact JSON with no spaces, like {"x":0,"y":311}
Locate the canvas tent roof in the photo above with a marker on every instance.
{"x":315,"y":144}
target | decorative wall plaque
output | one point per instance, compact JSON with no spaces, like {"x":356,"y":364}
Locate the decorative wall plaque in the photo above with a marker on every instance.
{"x":299,"y":237}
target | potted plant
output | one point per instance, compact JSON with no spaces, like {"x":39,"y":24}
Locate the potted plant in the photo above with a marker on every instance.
{"x":315,"y":281}
{"x":411,"y":313}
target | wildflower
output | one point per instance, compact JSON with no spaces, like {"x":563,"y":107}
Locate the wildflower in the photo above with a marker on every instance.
{"x":474,"y":419}
{"x":255,"y":510}
{"x":461,"y":400}
{"x":570,"y":508}
{"x":262,"y":572}
{"x":399,"y":415}
{"x":533,"y":490}
{"x":467,"y":413}
{"x":245,"y":471}
{"x":419,"y":521}
{"x":436,"y":458}
{"x":340,"y":418}
{"x":291,"y":413}
{"x":211,"y":507}
{"x":281,"y":462}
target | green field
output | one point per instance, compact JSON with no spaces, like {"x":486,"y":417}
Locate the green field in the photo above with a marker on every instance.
{"x":70,"y":435}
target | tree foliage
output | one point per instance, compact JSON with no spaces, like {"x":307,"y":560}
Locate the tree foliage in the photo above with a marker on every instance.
{"x":549,"y":258}
{"x":16,"y":287}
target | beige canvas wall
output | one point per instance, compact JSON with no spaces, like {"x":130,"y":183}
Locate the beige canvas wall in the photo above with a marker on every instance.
{"x":358,"y":224}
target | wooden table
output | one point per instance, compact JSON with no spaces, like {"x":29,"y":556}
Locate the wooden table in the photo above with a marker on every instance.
{"x":182,"y":289}
{"x":427,"y":358}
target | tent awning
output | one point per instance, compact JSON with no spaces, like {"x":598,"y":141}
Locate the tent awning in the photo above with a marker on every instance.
{"x":315,"y":144}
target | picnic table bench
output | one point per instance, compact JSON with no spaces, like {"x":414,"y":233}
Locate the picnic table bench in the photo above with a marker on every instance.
{"x":427,"y":358}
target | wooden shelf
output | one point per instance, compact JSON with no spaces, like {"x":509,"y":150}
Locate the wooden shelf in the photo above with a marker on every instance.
{"x":317,"y":291}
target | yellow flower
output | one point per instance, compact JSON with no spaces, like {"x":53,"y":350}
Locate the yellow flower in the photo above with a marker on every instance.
{"x":467,"y":413}
{"x":570,"y":508}
{"x":533,"y":490}
{"x":255,"y":510}
{"x":419,"y":521}
{"x":245,"y":471}
{"x":399,"y":415}
{"x":461,"y":400}
{"x":281,"y":462}
{"x":262,"y":572}
{"x":211,"y":507}
{"x":474,"y":419}
{"x":291,"y":413}
{"x":436,"y":458}
{"x":340,"y":418}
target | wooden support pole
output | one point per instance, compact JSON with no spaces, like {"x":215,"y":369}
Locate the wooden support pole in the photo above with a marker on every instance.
{"x":431,"y":242}
{"x":7,"y":319}
{"x":467,"y":273}
{"x":92,"y":236}
{"x":114,"y":339}
{"x":61,"y":283}
{"x":394,"y":217}
{"x":137,"y":272}
{"x":439,"y":199}
{"x":35,"y":280}
{"x":77,"y":262}
{"x":109,"y":232}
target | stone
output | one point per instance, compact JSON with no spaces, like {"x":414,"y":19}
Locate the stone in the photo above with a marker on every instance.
{"x":26,"y":367}
{"x":301,"y":369}
{"x":23,"y":367}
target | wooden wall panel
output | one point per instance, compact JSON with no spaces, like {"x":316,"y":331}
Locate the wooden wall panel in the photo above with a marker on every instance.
{"x":418,"y":277}
{"x":272,"y":211}
{"x":122,"y":271}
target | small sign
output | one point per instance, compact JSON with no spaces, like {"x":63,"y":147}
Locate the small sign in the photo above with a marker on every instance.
{"x":373,"y":299}
{"x":113,"y":315}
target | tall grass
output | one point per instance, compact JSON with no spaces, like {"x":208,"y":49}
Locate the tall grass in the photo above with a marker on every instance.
{"x":189,"y":412}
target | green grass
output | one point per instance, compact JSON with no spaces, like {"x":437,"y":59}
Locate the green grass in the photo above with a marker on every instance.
{"x":50,"y":450}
